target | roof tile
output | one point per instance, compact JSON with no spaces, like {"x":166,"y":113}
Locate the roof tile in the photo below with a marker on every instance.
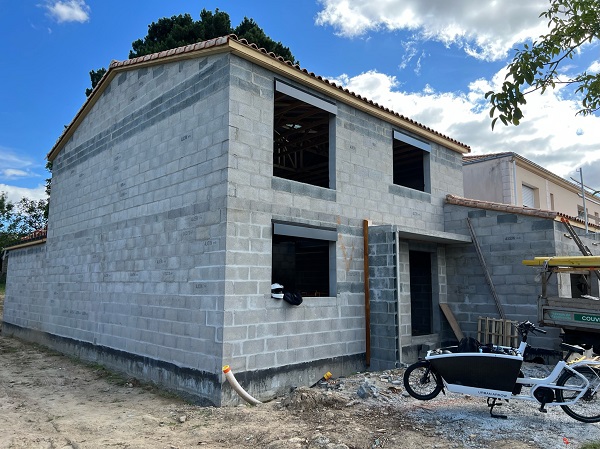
{"x":502,"y":207}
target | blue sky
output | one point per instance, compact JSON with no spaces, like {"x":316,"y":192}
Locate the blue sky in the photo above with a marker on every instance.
{"x":429,"y":60}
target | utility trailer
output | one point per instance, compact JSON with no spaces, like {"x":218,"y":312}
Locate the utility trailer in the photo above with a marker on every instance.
{"x":576,"y":309}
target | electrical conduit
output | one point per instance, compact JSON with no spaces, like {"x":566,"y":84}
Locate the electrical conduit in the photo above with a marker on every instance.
{"x":238,"y":388}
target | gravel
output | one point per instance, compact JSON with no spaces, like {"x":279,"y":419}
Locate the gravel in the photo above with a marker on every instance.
{"x":465,"y":420}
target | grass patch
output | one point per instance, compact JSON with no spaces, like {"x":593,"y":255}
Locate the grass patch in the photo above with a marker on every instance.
{"x":106,"y":374}
{"x":591,"y":445}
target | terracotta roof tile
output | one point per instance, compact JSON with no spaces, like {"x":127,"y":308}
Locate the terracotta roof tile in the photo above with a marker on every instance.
{"x":501,"y":207}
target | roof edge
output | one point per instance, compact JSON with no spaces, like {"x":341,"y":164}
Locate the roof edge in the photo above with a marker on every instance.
{"x":509,"y":208}
{"x":26,"y":244}
{"x":262,"y":57}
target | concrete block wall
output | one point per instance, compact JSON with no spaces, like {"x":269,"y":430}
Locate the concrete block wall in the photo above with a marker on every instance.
{"x":26,"y":282}
{"x":506,"y":240}
{"x":137,"y":228}
{"x":384,"y":301}
{"x":159,"y":238}
{"x":268,"y":342}
{"x":260,"y":332}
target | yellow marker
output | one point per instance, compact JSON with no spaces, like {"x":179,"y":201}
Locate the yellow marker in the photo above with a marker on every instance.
{"x":325,"y":377}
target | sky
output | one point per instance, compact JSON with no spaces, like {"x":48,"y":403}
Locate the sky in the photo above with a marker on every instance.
{"x":429,"y":60}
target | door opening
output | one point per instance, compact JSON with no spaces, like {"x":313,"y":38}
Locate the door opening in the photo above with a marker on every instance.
{"x":421,"y":293}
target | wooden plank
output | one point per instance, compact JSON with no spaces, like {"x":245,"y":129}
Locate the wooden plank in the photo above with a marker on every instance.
{"x":564,"y":261}
{"x":452,"y":320}
{"x":486,"y":272}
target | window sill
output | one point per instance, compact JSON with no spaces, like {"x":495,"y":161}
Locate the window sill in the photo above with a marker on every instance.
{"x":395,"y":189}
{"x":300,"y":188}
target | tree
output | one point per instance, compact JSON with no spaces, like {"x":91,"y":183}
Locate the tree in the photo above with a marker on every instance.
{"x":95,"y":77}
{"x":18,"y":220}
{"x":572,"y":24}
{"x":249,"y":30}
{"x":181,"y":30}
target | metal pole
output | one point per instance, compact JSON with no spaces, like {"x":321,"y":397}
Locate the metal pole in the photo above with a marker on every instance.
{"x":585,"y":218}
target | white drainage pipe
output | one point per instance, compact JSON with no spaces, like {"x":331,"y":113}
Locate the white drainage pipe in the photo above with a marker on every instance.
{"x":238,"y":388}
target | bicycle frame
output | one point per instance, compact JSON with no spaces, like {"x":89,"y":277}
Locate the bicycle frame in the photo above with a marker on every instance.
{"x":550,"y":382}
{"x":494,"y":372}
{"x":455,"y":382}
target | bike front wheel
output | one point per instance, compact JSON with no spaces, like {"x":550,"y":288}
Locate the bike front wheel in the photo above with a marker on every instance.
{"x":587,"y":408}
{"x":420,"y":382}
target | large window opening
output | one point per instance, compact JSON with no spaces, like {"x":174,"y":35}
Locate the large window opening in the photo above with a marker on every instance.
{"x":302,"y":138}
{"x":411,"y":162}
{"x":421,"y":293}
{"x":304,"y":259}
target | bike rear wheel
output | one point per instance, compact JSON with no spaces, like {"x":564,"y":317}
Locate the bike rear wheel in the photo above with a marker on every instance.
{"x":420,"y":382}
{"x":587,"y":409}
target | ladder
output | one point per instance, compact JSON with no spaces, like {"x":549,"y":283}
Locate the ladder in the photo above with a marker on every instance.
{"x":583,"y":248}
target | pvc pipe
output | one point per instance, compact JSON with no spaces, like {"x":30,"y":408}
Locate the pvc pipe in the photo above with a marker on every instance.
{"x":238,"y":388}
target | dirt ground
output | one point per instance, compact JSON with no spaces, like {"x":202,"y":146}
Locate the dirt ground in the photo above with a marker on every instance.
{"x":48,"y":401}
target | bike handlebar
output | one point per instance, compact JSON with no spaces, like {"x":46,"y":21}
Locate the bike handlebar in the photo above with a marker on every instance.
{"x":528,"y":326}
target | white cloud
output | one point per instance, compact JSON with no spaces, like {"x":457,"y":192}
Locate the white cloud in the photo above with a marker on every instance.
{"x":551,"y":134}
{"x":69,"y":11}
{"x":15,"y":193}
{"x":15,"y":166}
{"x":10,"y":159}
{"x":12,"y":173}
{"x":594,"y":67}
{"x":484,"y":29}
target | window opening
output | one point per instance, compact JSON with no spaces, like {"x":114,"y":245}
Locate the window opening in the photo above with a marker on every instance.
{"x":421,"y":293}
{"x":528,"y":196}
{"x":301,"y":137}
{"x":411,"y":162}
{"x":303,"y":259}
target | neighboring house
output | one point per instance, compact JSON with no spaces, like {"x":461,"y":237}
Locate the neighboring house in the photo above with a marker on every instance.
{"x":511,"y":179}
{"x":193,"y":179}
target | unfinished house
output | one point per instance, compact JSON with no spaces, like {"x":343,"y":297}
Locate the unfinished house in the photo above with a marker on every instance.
{"x":193,"y":179}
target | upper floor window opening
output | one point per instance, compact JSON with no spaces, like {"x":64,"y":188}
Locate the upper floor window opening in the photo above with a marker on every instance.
{"x":411,"y":162}
{"x":303,"y":137}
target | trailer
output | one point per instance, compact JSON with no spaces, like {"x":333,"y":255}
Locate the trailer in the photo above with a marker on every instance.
{"x":576,"y":308}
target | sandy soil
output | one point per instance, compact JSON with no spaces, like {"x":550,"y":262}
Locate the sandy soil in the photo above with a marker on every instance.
{"x":48,"y":401}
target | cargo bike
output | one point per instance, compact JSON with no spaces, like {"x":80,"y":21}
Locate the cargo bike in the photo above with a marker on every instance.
{"x":494,"y":372}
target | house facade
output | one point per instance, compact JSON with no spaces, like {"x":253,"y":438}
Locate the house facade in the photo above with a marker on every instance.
{"x":193,"y":179}
{"x":512,"y":179}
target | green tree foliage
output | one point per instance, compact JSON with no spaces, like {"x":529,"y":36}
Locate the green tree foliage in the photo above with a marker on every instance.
{"x":18,"y":220}
{"x":181,"y":30}
{"x":572,"y":24}
{"x":249,"y":30}
{"x":95,"y":77}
